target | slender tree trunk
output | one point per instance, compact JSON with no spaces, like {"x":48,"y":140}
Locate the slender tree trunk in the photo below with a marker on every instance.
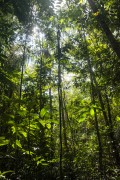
{"x":17,"y":116}
{"x":64,"y":124}
{"x":50,"y":98}
{"x":22,"y":70}
{"x":60,"y":102}
{"x":101,"y":101}
{"x":111,"y":132}
{"x":96,"y":122}
{"x":51,"y":115}
{"x":114,"y":43}
{"x":29,"y":145}
{"x":109,"y":111}
{"x":71,"y":130}
{"x":40,"y":84}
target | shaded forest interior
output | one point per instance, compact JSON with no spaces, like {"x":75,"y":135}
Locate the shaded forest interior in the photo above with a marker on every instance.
{"x":60,"y":89}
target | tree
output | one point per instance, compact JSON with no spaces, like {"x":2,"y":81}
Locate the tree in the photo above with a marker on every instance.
{"x":59,"y":89}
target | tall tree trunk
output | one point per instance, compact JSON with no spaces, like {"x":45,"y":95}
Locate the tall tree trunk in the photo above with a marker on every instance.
{"x":52,"y":150}
{"x":96,"y":121}
{"x":114,"y":43}
{"x":17,"y":116}
{"x":22,"y":70}
{"x":51,"y":115}
{"x":64,"y":123}
{"x":71,"y":129}
{"x":111,"y":132}
{"x":60,"y":102}
{"x":40,"y":84}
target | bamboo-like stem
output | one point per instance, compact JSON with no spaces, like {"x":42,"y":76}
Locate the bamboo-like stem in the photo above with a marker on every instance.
{"x":60,"y":101}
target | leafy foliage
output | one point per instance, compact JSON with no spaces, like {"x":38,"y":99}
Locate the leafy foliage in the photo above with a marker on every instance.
{"x":59,"y":90}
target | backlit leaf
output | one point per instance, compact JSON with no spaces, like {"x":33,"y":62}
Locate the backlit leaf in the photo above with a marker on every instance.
{"x":92,"y":112}
{"x":18,"y":143}
{"x":118,"y":118}
{"x":23,"y":133}
{"x":43,"y":112}
{"x":48,"y":126}
{"x":13,"y":129}
{"x":82,"y":119}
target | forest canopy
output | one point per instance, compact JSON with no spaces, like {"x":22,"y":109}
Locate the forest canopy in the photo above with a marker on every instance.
{"x":59,"y":89}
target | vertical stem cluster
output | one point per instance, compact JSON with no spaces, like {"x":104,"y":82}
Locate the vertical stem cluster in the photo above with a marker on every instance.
{"x":107,"y":117}
{"x":95,"y":113}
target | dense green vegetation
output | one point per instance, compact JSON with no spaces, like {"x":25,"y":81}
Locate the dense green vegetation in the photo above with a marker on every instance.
{"x":59,"y":89}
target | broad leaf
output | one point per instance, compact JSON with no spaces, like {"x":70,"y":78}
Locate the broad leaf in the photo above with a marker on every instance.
{"x":92,"y":112}
{"x":43,"y":112}
{"x":23,"y":133}
{"x":18,"y":143}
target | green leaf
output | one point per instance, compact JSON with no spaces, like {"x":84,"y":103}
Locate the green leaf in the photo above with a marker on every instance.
{"x":2,"y":138}
{"x":13,"y":145}
{"x":5,"y":172}
{"x":118,"y":118}
{"x":18,"y":143}
{"x":34,"y":126}
{"x":92,"y":112}
{"x":3,"y":141}
{"x":13,"y":129}
{"x":22,"y":112}
{"x":83,"y":116}
{"x":48,"y":126}
{"x":23,"y":133}
{"x":51,"y":121}
{"x":28,"y":152}
{"x":11,"y":122}
{"x":62,"y":21}
{"x":51,"y":18}
{"x":54,"y":160}
{"x":11,"y":116}
{"x":42,"y":162}
{"x":43,"y":112}
{"x":43,"y":123}
{"x":37,"y":158}
{"x":82,"y":119}
{"x":36,"y":116}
